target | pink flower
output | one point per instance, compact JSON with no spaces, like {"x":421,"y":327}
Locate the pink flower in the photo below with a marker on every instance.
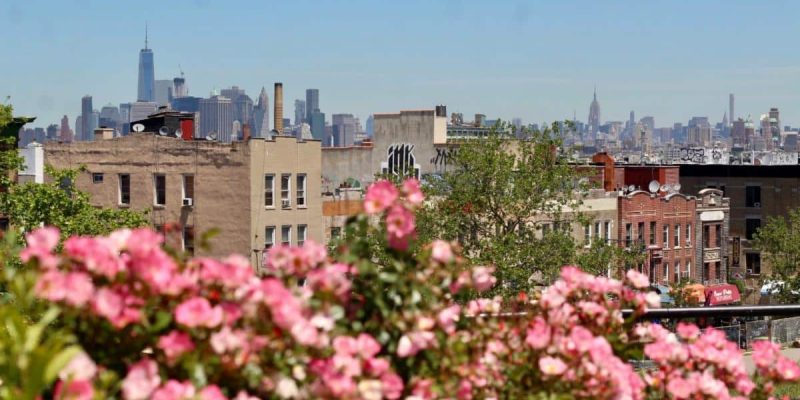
{"x":212,"y":392}
{"x":448,"y":318}
{"x":482,"y":278}
{"x":464,"y":390}
{"x":174,"y":344}
{"x":331,"y":278}
{"x":441,"y":251}
{"x":51,"y":285}
{"x":788,"y":370}
{"x":392,"y":386}
{"x":380,"y":195}
{"x":41,"y":243}
{"x":141,"y":381}
{"x":79,"y":289}
{"x":227,"y":340}
{"x":765,"y":353}
{"x":404,"y":347}
{"x":376,"y":366}
{"x":232,"y":272}
{"x":637,"y":279}
{"x":196,"y":312}
{"x":80,"y":367}
{"x":552,"y":366}
{"x":399,"y":226}
{"x":367,"y":346}
{"x":174,"y":390}
{"x":538,"y":336}
{"x":98,"y":254}
{"x":412,"y":192}
{"x":242,"y":395}
{"x":74,"y":390}
{"x":680,"y":388}
{"x":688,"y":331}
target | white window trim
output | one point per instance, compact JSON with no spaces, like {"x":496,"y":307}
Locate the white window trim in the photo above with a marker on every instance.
{"x":677,"y":235}
{"x":302,"y":228}
{"x":271,"y":207}
{"x":155,"y":190}
{"x":304,"y":190}
{"x":289,"y":243}
{"x":271,"y":237}
{"x":288,"y":191}
{"x":119,"y":190}
{"x":183,"y":186}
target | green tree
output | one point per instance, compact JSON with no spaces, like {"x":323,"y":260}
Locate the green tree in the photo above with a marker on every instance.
{"x":779,"y":243}
{"x":496,"y":199}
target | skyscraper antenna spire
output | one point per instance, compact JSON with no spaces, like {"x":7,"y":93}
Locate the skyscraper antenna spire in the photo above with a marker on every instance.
{"x":145,"y":35}
{"x":595,"y":91}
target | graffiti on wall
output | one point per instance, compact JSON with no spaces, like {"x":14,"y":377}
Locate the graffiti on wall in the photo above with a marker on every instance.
{"x":691,"y":154}
{"x":400,"y":161}
{"x":443,"y":157}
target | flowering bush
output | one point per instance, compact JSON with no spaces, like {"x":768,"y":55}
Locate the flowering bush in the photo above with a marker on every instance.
{"x":318,"y":325}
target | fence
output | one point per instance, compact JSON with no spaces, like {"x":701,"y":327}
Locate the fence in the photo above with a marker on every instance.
{"x":785,"y":330}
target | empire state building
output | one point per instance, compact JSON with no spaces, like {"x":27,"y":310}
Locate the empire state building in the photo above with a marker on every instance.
{"x":594,"y":117}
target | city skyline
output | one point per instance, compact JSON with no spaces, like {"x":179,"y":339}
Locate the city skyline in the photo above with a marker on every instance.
{"x":514,"y":70}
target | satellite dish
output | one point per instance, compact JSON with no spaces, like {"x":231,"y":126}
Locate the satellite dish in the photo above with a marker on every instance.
{"x":163,"y":131}
{"x":676,"y":187}
{"x":138,"y":128}
{"x":653,"y":186}
{"x":178,"y":132}
{"x":631,"y":188}
{"x":665,"y":188}
{"x":212,"y":136}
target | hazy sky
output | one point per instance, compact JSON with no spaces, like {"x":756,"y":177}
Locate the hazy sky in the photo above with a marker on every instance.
{"x":534,"y":60}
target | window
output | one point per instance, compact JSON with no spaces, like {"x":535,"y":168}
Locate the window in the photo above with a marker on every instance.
{"x":301,"y":190}
{"x":97,"y":178}
{"x":666,"y":271}
{"x":597,"y":231}
{"x":718,"y":271}
{"x":677,"y":233}
{"x":545,"y":229}
{"x":188,"y":239}
{"x":640,"y":233}
{"x":587,"y":235}
{"x":286,"y":235}
{"x":628,"y":228}
{"x":753,"y":263}
{"x":652,"y":232}
{"x":336,"y":232}
{"x":751,"y":227}
{"x":753,"y":196}
{"x":269,"y":190}
{"x":286,"y":183}
{"x":706,"y":236}
{"x":718,"y":236}
{"x":188,"y":188}
{"x":160,"y":189}
{"x":608,"y":231}
{"x":666,"y":236}
{"x":688,"y":270}
{"x":301,"y":234}
{"x":688,"y":235}
{"x":706,"y":271}
{"x":677,"y":277}
{"x":269,"y":237}
{"x":124,"y":189}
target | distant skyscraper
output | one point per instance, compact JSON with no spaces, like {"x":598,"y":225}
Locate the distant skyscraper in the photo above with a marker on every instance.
{"x":141,"y":110}
{"x":147,"y":74}
{"x":278,"y":99}
{"x":344,"y":129}
{"x":78,"y":128}
{"x":216,"y":116}
{"x":66,"y":133}
{"x":312,"y":103}
{"x":87,"y":130}
{"x":52,"y":132}
{"x":594,"y":117}
{"x":109,"y":118}
{"x":179,"y":85}
{"x":163,"y":91}
{"x":730,"y":106}
{"x":299,"y":111}
{"x":318,"y":127}
{"x":261,"y":115}
{"x":370,"y":124}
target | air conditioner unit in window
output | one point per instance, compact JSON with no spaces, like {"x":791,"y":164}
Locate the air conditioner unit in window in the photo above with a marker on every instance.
{"x":749,"y":271}
{"x":286,"y":203}
{"x":757,"y":204}
{"x":188,"y":202}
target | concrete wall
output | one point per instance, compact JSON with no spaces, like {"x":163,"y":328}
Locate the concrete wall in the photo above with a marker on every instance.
{"x":341,"y":163}
{"x":284,"y":155}
{"x":221,"y":182}
{"x":415,"y":131}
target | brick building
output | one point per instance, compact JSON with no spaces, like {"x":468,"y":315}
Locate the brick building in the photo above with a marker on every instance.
{"x":257,"y":193}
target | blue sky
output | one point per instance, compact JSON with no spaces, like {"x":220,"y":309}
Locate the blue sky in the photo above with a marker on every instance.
{"x":534,"y":60}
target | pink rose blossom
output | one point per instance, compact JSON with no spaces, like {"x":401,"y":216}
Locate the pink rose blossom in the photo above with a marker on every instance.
{"x":538,"y":335}
{"x":141,"y":381}
{"x":367,"y":346}
{"x":174,"y":390}
{"x":688,"y":331}
{"x":464,"y":390}
{"x":411,"y":190}
{"x":74,"y":390}
{"x":788,"y":370}
{"x":198,"y":312}
{"x":41,"y":243}
{"x":212,"y":392}
{"x":80,"y":367}
{"x":637,"y":279}
{"x":175,"y":343}
{"x":448,"y":318}
{"x":227,"y":340}
{"x":376,"y":366}
{"x":392,"y":386}
{"x":552,"y":366}
{"x":399,"y":226}
{"x":380,"y":195}
{"x":441,"y":251}
{"x":482,"y":278}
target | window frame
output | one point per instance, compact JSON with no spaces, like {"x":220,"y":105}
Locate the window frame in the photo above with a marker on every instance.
{"x":156,"y":177}
{"x":184,"y":179}
{"x":301,"y":239}
{"x":640,"y":233}
{"x":288,"y":234}
{"x":677,"y":236}
{"x":689,"y":235}
{"x":120,"y":192}
{"x":269,"y":239}
{"x":608,"y":231}
{"x":750,"y":234}
{"x":286,"y":194}
{"x":628,"y":234}
{"x":188,"y":232}
{"x":269,"y":189}
{"x":301,"y":190}
{"x":752,"y":196}
{"x":587,"y":235}
{"x":665,"y":236}
{"x":96,"y":175}
{"x":652,"y":235}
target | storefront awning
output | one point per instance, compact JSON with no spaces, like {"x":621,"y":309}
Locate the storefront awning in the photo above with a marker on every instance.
{"x":722,"y":294}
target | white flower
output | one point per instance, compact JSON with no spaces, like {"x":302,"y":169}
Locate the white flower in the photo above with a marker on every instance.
{"x":370,"y":389}
{"x":287,"y":388}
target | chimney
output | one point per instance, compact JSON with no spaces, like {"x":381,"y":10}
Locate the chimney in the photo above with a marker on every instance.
{"x":278,"y":108}
{"x":103,"y":134}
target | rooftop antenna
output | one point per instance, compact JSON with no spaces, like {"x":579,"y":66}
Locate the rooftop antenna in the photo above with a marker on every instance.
{"x":180,"y":69}
{"x":145,"y":35}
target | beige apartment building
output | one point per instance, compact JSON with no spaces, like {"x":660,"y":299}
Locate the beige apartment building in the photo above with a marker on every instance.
{"x":256,"y":193}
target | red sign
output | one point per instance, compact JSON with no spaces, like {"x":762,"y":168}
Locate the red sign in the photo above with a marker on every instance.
{"x":722,"y":294}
